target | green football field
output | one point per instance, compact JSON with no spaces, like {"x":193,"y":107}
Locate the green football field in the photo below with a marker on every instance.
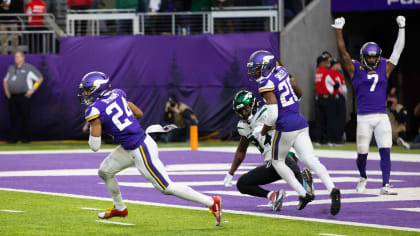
{"x":55,"y":215}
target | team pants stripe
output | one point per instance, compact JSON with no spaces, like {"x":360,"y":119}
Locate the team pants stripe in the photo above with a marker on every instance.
{"x":274,"y":147}
{"x":151,"y":168}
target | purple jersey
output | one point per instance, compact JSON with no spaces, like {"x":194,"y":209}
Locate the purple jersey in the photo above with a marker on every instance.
{"x":117,"y":119}
{"x":289,"y":118}
{"x":370,"y":88}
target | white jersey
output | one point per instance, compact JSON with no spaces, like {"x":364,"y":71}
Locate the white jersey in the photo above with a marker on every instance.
{"x":252,"y":130}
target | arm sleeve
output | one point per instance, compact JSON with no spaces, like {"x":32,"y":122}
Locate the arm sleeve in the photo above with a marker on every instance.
{"x":398,"y":47}
{"x":35,"y":71}
{"x":7,"y":77}
{"x":272,"y":114}
{"x":94,"y":143}
{"x":329,"y":84}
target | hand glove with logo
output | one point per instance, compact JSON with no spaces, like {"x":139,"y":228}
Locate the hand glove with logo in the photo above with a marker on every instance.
{"x":228,"y":180}
{"x":339,"y":23}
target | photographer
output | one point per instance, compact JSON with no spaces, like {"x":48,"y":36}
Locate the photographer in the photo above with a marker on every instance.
{"x":398,"y":117}
{"x":181,"y":115}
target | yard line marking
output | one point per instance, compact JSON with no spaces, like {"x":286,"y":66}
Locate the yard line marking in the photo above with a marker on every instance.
{"x":224,"y":210}
{"x":332,"y":234}
{"x":407,"y":209}
{"x":12,"y":211}
{"x":93,"y":209}
{"x":113,"y":222}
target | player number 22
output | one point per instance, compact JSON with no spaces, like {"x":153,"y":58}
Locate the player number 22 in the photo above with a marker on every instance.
{"x":116,"y":117}
{"x":375,"y":78}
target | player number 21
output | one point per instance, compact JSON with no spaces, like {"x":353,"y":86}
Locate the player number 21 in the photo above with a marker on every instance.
{"x":375,"y":78}
{"x":116,"y":117}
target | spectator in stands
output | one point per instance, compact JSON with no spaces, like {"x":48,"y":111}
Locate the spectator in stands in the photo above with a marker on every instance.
{"x":81,"y":26}
{"x":339,"y":99}
{"x":125,"y":26}
{"x":416,"y":142}
{"x":181,"y":115}
{"x":20,"y":83}
{"x":8,"y":23}
{"x":35,"y":23}
{"x":223,"y":25}
{"x":324,"y":104}
{"x":398,"y":117}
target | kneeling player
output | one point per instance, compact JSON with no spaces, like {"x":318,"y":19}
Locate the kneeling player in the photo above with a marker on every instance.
{"x":249,"y":127}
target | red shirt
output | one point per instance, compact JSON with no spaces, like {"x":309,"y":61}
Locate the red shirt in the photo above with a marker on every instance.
{"x":337,"y":77}
{"x":324,"y":83}
{"x":36,"y":7}
{"x":71,"y":3}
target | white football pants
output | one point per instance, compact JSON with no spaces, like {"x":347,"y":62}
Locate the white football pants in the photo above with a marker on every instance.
{"x":146,"y":159}
{"x":377,"y":123}
{"x":300,"y":141}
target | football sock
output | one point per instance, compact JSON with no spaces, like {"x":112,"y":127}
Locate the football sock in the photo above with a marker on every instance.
{"x":385,"y":164}
{"x":187,"y":193}
{"x":287,"y":174}
{"x":114,"y":190}
{"x":361,"y":164}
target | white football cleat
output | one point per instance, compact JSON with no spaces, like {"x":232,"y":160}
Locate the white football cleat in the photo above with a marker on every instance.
{"x":386,"y":190}
{"x":361,"y":186}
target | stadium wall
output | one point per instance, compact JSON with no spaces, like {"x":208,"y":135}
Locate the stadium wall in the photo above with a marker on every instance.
{"x":204,"y":71}
{"x":302,"y":41}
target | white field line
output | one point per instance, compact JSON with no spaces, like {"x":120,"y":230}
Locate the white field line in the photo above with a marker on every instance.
{"x":91,"y":209}
{"x":417,"y":209}
{"x":113,"y":222}
{"x":229,"y":211}
{"x":408,"y":157}
{"x":11,"y":211}
{"x":332,"y":234}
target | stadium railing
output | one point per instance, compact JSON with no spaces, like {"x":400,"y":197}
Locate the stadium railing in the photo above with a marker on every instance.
{"x":226,"y":20}
{"x":31,"y":39}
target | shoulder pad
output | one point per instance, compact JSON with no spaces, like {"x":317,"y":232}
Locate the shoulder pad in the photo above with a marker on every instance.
{"x":91,"y":113}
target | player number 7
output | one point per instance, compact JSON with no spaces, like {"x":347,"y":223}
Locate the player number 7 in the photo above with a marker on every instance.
{"x":375,"y":81}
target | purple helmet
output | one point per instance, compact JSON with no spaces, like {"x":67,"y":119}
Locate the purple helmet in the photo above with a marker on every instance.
{"x":97,"y":83}
{"x":370,"y":49}
{"x":260,"y":64}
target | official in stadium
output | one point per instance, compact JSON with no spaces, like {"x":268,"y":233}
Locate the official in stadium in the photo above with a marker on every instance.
{"x":20,"y":83}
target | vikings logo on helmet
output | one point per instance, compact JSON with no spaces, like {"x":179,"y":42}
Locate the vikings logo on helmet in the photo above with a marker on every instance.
{"x":370,"y":49}
{"x":260,"y":64}
{"x":96,"y":83}
{"x":242,"y":99}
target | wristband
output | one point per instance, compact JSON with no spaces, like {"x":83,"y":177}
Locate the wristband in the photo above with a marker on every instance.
{"x":36,"y":85}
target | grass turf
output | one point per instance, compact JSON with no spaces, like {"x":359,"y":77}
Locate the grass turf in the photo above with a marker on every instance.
{"x":57,"y":215}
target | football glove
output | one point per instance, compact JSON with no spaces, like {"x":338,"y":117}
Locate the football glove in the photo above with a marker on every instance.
{"x":339,"y":23}
{"x":401,"y":21}
{"x":228,"y":180}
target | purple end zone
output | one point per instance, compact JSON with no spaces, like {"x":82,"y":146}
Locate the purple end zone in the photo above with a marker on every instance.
{"x":371,"y":212}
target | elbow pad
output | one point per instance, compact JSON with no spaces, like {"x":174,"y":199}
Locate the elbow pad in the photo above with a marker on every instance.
{"x":272,"y":114}
{"x":94,"y":143}
{"x":398,"y":47}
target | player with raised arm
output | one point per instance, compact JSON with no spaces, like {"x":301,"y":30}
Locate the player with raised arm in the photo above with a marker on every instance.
{"x":370,"y":82}
{"x":291,"y":128}
{"x":110,"y":112}
{"x":249,"y":128}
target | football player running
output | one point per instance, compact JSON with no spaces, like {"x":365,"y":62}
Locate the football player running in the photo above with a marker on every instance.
{"x":370,"y":82}
{"x":249,"y":127}
{"x":110,"y":112}
{"x":291,"y":128}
